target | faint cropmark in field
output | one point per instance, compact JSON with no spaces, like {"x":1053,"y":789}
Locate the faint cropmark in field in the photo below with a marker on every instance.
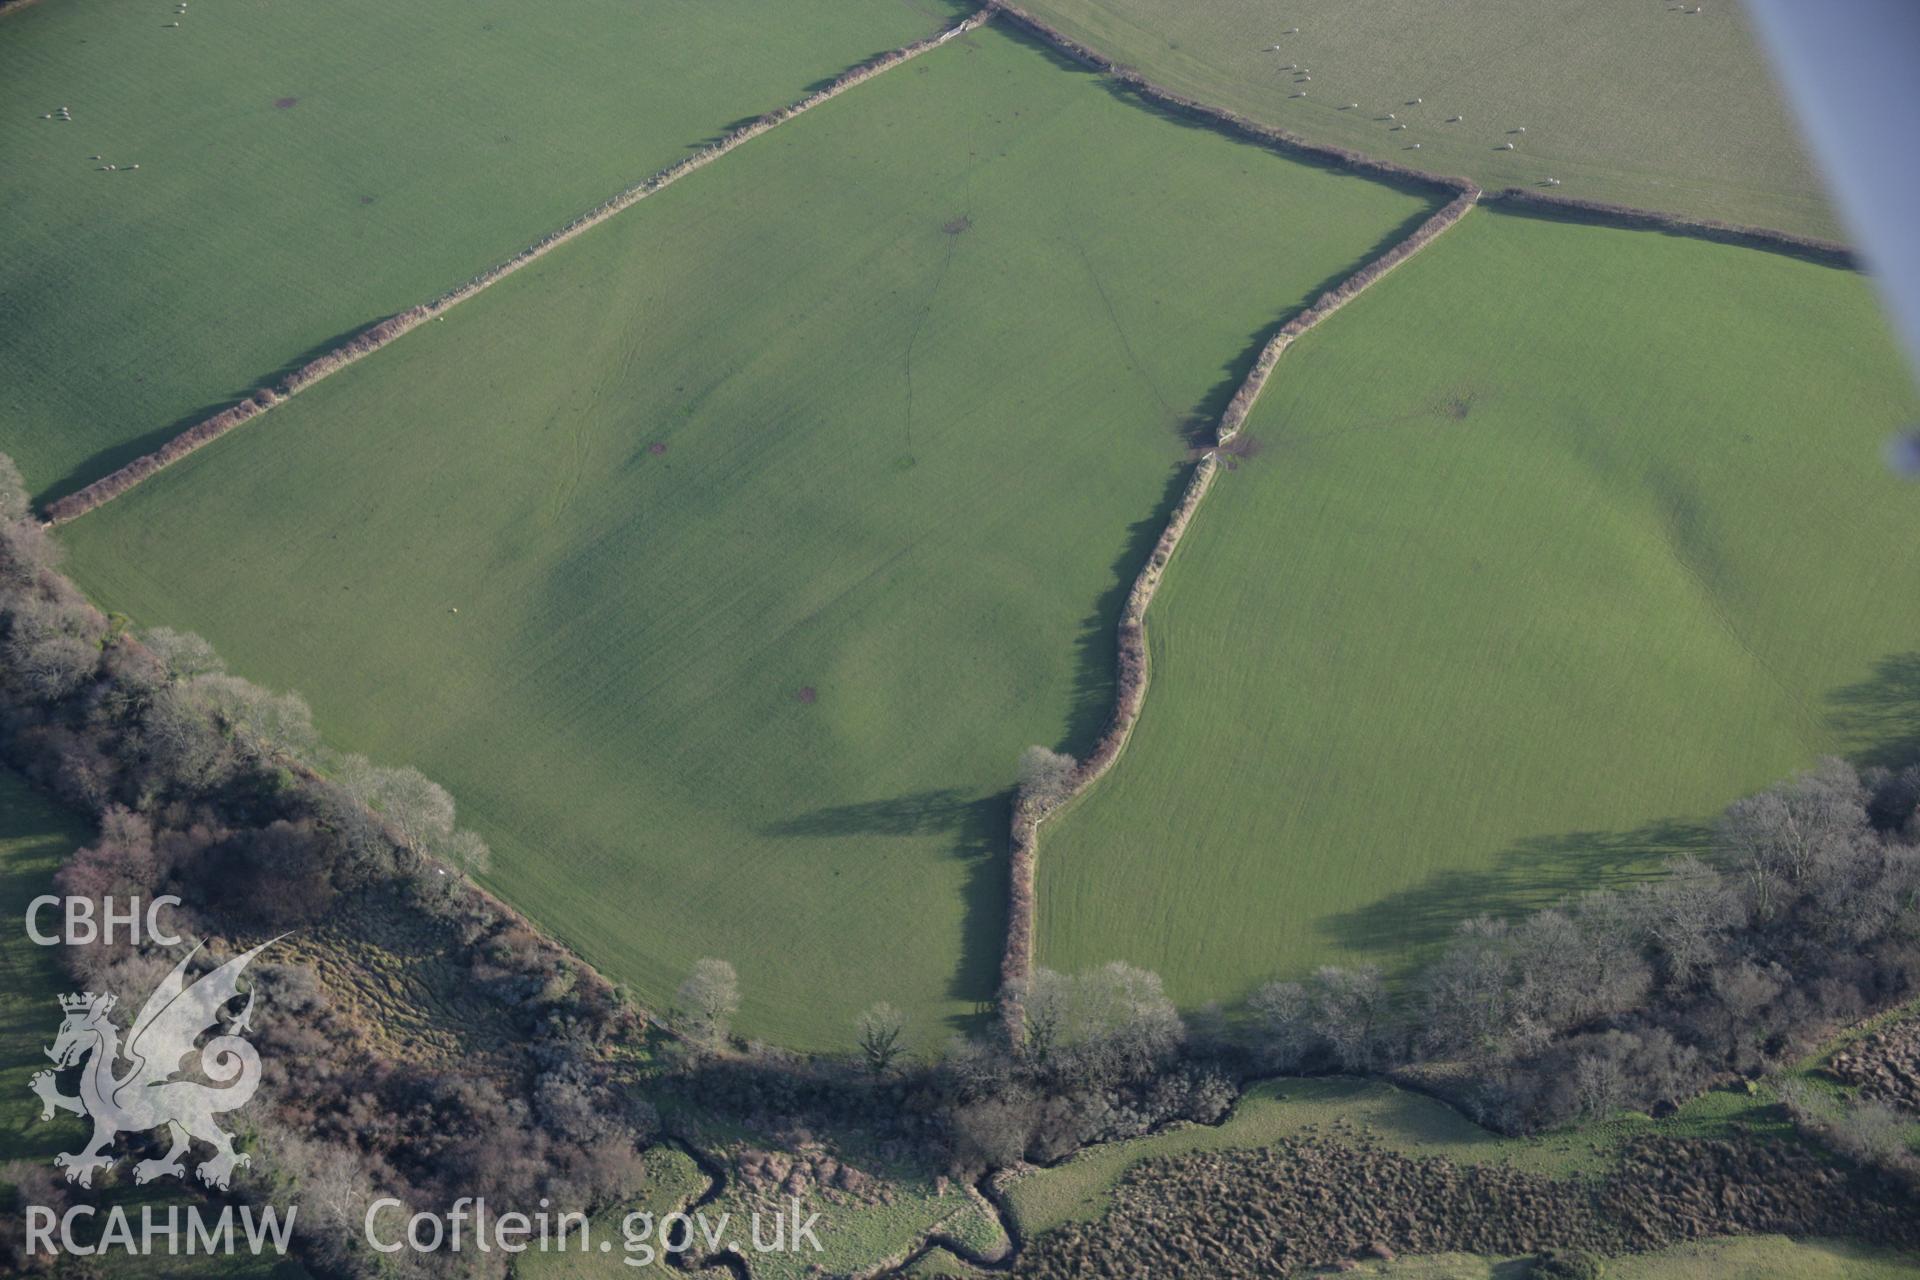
{"x":151,"y":1093}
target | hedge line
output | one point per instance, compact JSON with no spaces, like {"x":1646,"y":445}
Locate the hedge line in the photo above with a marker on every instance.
{"x":372,"y":339}
{"x":1016,"y":963}
{"x":1271,"y":136}
{"x":1831,"y":252}
{"x":1331,"y":301}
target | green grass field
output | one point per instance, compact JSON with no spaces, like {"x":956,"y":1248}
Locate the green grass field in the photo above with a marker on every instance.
{"x":419,"y":144}
{"x":1561,"y":538}
{"x":780,"y":514}
{"x":1628,"y":101}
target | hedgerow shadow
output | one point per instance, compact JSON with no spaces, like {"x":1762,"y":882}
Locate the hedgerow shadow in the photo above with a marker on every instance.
{"x":112,"y":458}
{"x":1096,"y":649}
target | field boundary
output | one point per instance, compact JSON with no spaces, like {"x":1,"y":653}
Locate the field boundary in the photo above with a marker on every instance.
{"x":376,"y":336}
{"x":1830,"y":253}
{"x":1133,"y":665}
{"x":1271,"y":136}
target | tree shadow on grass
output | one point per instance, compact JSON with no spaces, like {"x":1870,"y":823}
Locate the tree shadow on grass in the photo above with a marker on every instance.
{"x":918,"y":813}
{"x":1531,"y":874}
{"x":1878,"y":719}
{"x":976,"y":827}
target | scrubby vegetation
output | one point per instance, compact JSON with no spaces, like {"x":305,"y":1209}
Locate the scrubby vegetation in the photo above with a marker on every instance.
{"x":1303,"y":1204}
{"x":209,"y":788}
{"x":1807,"y":918}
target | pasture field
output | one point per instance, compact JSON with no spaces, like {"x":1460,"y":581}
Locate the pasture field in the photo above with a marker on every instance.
{"x":779,"y":514}
{"x":1629,"y":101}
{"x":1555,"y":542}
{"x":306,"y":169}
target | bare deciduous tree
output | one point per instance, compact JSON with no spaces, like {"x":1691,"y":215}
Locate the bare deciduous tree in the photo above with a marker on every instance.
{"x":419,"y":809}
{"x":1350,"y":1010}
{"x":1285,"y":1011}
{"x":185,"y":655}
{"x":881,"y":1028}
{"x":708,"y":1000}
{"x":1046,"y":777}
{"x":264,"y":725}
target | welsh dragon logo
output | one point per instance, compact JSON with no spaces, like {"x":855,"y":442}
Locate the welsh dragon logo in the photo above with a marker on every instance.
{"x":150,"y":1094}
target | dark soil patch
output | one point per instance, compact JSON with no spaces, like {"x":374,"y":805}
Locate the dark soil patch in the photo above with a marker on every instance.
{"x":1307,"y":1204}
{"x":657,"y":448}
{"x":284,"y":103}
{"x":366,"y":199}
{"x":1886,"y":1065}
{"x":954,"y":226}
{"x":807,"y":694}
{"x":1459,"y":406}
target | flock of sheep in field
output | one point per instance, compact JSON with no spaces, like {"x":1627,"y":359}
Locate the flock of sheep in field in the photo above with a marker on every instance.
{"x":66,"y":113}
{"x":1303,"y":76}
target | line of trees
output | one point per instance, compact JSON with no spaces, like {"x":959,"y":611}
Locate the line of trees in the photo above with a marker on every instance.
{"x":1805,"y":916}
